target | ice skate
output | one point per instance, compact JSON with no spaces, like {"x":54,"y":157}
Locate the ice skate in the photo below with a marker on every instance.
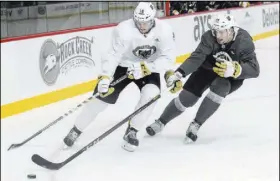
{"x":72,"y":137}
{"x":191,"y":134}
{"x":155,"y":128}
{"x":130,"y":140}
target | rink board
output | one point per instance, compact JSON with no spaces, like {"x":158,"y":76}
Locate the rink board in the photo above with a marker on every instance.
{"x":73,"y":57}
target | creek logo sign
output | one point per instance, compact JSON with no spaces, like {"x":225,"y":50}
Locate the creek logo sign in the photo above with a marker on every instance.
{"x":59,"y":58}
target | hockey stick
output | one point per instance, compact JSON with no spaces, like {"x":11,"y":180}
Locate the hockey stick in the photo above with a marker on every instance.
{"x":65,"y":115}
{"x":37,"y":159}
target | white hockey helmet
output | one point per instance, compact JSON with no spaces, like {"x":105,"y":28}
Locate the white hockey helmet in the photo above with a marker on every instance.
{"x":143,"y":16}
{"x":222,"y":22}
{"x":222,"y":27}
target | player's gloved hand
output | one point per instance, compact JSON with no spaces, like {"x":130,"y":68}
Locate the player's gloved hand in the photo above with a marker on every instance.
{"x":104,"y":88}
{"x":173,"y":79}
{"x":227,"y":69}
{"x":138,"y":70}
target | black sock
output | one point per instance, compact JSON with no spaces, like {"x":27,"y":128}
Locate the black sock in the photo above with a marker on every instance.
{"x":206,"y":109}
{"x":169,"y":113}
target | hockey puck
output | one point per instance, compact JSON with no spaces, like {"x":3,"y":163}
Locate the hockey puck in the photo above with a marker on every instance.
{"x":31,"y":176}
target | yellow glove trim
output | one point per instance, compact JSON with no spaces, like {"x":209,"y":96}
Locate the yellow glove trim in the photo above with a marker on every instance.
{"x":110,"y":90}
{"x":221,"y":67}
{"x":144,"y":69}
{"x":178,"y":85}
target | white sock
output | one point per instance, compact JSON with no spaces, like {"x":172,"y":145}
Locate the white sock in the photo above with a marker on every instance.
{"x":148,"y":92}
{"x":89,"y":113}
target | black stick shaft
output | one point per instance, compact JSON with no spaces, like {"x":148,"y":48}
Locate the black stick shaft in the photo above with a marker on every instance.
{"x":55,"y":166}
{"x":63,"y":116}
{"x":111,"y":130}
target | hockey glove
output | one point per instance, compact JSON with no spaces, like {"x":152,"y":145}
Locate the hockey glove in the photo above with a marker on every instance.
{"x":173,"y":79}
{"x":138,"y":70}
{"x":104,"y":88}
{"x":227,"y":69}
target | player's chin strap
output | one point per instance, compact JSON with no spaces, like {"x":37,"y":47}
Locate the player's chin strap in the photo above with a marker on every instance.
{"x":37,"y":159}
{"x":65,"y":115}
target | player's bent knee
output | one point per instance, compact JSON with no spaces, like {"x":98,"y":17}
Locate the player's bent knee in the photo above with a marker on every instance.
{"x":150,"y":91}
{"x":185,"y":99}
{"x":221,"y":87}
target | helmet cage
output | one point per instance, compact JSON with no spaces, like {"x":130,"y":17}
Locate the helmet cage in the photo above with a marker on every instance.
{"x":143,"y":16}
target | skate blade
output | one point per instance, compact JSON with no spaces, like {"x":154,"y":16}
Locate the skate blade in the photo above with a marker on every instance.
{"x":188,"y":141}
{"x":73,"y":147}
{"x":128,"y":147}
{"x":65,"y":147}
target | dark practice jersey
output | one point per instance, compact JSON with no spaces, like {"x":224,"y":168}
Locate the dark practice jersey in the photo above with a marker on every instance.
{"x":240,"y":49}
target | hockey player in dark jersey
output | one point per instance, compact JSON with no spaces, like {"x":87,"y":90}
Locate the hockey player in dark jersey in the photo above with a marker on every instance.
{"x":224,"y":58}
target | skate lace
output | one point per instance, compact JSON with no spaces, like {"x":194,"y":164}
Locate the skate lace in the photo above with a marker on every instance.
{"x":132,"y":134}
{"x":73,"y":135}
{"x":193,"y":128}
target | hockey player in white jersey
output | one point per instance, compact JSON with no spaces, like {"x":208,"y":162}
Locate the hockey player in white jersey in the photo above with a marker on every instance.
{"x":142,"y":47}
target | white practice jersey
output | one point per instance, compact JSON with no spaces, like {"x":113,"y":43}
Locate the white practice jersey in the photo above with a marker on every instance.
{"x":129,"y":46}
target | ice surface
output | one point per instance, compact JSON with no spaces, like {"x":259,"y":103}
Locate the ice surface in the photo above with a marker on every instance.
{"x":238,"y":143}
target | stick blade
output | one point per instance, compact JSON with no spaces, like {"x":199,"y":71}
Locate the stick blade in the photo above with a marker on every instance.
{"x":37,"y":159}
{"x":13,"y":146}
